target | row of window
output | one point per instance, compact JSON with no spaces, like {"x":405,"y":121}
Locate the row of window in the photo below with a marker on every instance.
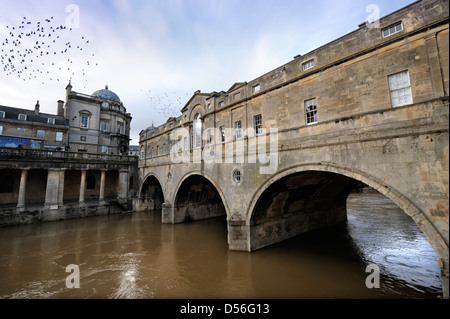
{"x":104,"y":125}
{"x":23,"y":117}
{"x":40,"y":134}
{"x":400,"y":92}
{"x":399,"y":89}
{"x":196,"y":135}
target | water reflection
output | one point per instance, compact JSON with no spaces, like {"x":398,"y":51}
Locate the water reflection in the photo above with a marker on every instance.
{"x":135,"y":256}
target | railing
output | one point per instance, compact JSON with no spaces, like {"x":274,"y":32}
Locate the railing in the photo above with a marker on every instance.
{"x":7,"y":152}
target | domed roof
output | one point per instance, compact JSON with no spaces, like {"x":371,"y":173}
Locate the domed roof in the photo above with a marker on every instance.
{"x":106,"y":94}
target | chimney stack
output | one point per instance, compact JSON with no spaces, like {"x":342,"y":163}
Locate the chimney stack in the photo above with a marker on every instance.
{"x":68,"y":90}
{"x":36,"y":108}
{"x":60,"y":110}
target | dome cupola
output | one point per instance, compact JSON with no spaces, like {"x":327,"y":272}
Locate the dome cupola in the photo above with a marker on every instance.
{"x":106,"y":94}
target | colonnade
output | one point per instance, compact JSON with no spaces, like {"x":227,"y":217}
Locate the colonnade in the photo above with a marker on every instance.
{"x":54,"y":193}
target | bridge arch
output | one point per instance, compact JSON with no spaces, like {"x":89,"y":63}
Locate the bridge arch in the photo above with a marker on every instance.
{"x":151,"y":193}
{"x":343,"y":175}
{"x":198,"y":196}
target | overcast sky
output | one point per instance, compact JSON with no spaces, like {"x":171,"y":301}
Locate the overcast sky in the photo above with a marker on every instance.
{"x":155,"y":54}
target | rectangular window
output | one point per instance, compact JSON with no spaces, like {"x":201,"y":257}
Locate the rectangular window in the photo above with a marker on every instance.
{"x":2,"y":114}
{"x":20,"y":131}
{"x":40,"y":134}
{"x":59,"y":136}
{"x":119,"y":127}
{"x":392,"y":29}
{"x":51,"y":121}
{"x":221,"y":103}
{"x":22,"y":117}
{"x":170,"y":147}
{"x":256,"y":88}
{"x":142,"y":153}
{"x":308,"y":65}
{"x":197,"y":134}
{"x":186,"y":146}
{"x":257,"y":121}
{"x":164,"y":149}
{"x":1,"y":129}
{"x":222,"y":134}
{"x":104,"y":126}
{"x":238,"y":129}
{"x":153,"y":152}
{"x":179,"y":145}
{"x":400,"y":89}
{"x":104,"y":149}
{"x":84,"y":121}
{"x":311,"y":111}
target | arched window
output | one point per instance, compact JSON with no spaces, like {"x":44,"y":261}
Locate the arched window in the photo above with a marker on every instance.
{"x":91,"y":182}
{"x":197,"y":131}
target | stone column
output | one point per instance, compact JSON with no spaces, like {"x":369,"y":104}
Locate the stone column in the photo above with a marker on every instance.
{"x":22,"y":189}
{"x":239,"y":236}
{"x":52,"y":190}
{"x":167,"y":214}
{"x":61,"y":187}
{"x":102,"y":187}
{"x":123,"y":186}
{"x":82,"y":186}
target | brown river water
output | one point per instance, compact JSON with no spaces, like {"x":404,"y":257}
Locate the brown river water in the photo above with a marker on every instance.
{"x":135,"y":256}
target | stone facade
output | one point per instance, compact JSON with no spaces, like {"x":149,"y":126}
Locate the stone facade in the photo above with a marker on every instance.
{"x":46,"y":188}
{"x":99,"y":123}
{"x":87,"y":173}
{"x":32,"y":129}
{"x":283,"y":151}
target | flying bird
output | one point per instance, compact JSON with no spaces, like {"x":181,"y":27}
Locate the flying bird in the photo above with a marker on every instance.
{"x":21,"y":59}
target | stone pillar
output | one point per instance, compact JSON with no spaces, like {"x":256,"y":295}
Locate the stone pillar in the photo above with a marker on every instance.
{"x":123,"y":186}
{"x":167,"y":213}
{"x":82,"y":186}
{"x":239,"y":236}
{"x":435,"y":66}
{"x":102,"y":187}
{"x":61,"y":187}
{"x":22,"y":189}
{"x":52,"y":190}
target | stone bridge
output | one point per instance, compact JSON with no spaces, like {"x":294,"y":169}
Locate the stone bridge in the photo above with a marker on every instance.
{"x":403,"y":153}
{"x":279,"y":155}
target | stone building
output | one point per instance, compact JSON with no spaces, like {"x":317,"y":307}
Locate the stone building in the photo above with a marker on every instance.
{"x":68,"y":165}
{"x":32,"y":129}
{"x":134,"y":150}
{"x":278,"y":155}
{"x":99,"y":123}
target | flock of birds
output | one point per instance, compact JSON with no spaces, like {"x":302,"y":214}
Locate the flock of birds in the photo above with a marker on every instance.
{"x":44,"y":51}
{"x":167,"y":104}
